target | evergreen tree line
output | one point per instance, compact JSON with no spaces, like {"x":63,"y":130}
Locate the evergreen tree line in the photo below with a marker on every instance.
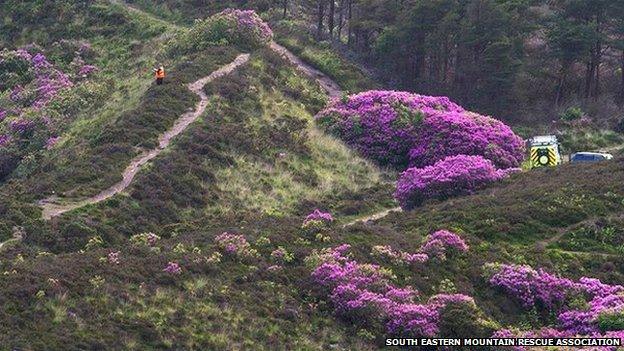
{"x":494,"y":55}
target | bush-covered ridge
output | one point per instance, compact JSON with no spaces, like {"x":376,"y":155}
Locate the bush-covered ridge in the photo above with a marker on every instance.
{"x":241,"y":28}
{"x":402,"y":129}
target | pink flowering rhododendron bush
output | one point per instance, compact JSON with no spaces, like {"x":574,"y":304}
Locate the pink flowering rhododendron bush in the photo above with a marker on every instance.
{"x":452,"y":176}
{"x":365,"y":294}
{"x":436,"y":245}
{"x":403,"y":129}
{"x":229,"y":27}
{"x":582,"y":307}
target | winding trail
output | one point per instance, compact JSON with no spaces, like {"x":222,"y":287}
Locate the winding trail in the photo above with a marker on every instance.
{"x":328,"y":84}
{"x":51,"y":208}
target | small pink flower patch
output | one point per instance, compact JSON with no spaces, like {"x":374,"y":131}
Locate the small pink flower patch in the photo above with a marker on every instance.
{"x":113,"y":257}
{"x":173,"y":268}
{"x":318,"y":215}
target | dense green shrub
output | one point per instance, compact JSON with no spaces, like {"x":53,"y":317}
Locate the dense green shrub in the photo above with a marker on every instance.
{"x":244,"y":29}
{"x":611,"y":321}
{"x":14,"y":70}
{"x":572,"y":113}
{"x":461,"y":320}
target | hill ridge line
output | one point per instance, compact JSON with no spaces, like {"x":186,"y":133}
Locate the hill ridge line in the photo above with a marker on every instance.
{"x":52,"y":209}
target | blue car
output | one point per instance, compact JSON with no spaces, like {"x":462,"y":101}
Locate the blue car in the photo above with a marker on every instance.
{"x":590,"y":157}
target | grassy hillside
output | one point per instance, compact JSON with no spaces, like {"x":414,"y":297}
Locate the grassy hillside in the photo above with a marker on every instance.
{"x":87,"y":156}
{"x":105,"y":276}
{"x":255,"y":153}
{"x":255,"y":161}
{"x":567,"y":220}
{"x":511,"y":222}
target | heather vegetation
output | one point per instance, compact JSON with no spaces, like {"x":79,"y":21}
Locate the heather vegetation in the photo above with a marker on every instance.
{"x":258,"y":226}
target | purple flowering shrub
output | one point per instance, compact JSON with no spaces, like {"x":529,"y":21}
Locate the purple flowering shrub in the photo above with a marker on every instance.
{"x":113,"y":257}
{"x":87,"y":70}
{"x":21,"y":126}
{"x":318,"y":215}
{"x":231,"y":26}
{"x":37,"y":81}
{"x":33,"y":96}
{"x":51,"y":142}
{"x":235,"y":245}
{"x":147,"y":239}
{"x":317,"y":219}
{"x":37,"y":96}
{"x":440,"y":242}
{"x":316,"y":222}
{"x":403,"y":129}
{"x":249,"y":21}
{"x":5,"y":139}
{"x":173,"y":268}
{"x":436,"y":245}
{"x":538,"y":287}
{"x":452,"y":176}
{"x":364,"y":293}
{"x":281,"y":255}
{"x":532,"y":286}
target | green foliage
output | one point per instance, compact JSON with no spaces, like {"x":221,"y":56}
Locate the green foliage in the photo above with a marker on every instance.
{"x":572,"y":113}
{"x":221,"y":29}
{"x":13,"y":70}
{"x":407,"y":117}
{"x":463,"y":321}
{"x":611,"y":321}
{"x":569,"y":40}
{"x":585,"y":138}
{"x":350,"y":77}
{"x":94,"y":243}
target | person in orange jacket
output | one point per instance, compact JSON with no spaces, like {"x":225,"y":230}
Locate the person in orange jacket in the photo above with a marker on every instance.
{"x":160,"y":74}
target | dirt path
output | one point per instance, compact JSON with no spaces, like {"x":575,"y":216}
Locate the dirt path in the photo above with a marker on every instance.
{"x":333,"y":90}
{"x":563,"y":231}
{"x":2,"y":244}
{"x":51,"y":208}
{"x":374,"y":216}
{"x":328,"y":84}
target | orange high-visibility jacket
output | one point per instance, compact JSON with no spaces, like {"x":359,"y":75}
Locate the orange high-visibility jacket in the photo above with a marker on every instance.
{"x":160,"y":73}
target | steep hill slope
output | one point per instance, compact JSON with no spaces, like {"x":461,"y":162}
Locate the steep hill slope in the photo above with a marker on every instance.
{"x":258,"y":120}
{"x":208,"y":247}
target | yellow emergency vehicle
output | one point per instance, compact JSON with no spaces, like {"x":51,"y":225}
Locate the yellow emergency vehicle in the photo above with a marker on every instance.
{"x":544,"y":151}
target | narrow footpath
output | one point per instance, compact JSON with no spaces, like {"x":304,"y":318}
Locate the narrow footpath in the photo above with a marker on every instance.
{"x":51,"y":208}
{"x":329,"y":85}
